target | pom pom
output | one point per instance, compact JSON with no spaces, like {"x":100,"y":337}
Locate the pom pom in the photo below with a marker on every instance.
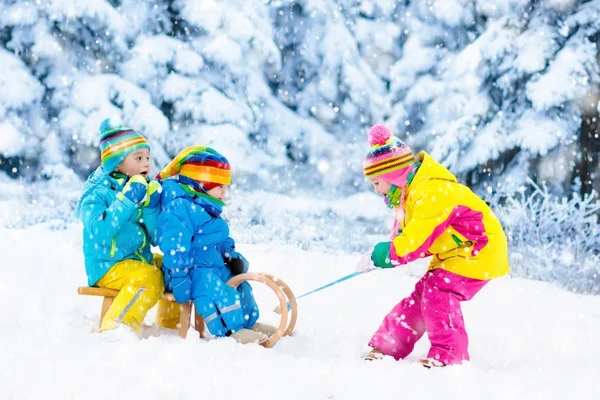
{"x":110,"y":124}
{"x":379,"y":134}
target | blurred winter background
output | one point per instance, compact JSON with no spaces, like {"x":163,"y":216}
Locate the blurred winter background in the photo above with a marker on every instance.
{"x":503,"y":92}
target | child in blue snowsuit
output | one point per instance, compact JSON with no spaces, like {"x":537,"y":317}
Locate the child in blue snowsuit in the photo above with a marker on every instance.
{"x":199,"y":255}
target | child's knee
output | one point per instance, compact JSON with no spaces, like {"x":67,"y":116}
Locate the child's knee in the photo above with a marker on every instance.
{"x":150,"y":277}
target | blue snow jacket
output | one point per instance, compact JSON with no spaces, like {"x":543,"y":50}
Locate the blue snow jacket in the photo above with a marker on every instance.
{"x":192,"y":233}
{"x":195,"y":240}
{"x":113,"y":229}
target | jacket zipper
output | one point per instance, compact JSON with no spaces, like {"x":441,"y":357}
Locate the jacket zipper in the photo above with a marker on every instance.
{"x":138,"y":253}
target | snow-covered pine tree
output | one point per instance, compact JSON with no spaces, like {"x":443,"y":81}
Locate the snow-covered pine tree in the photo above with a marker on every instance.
{"x":327,"y":75}
{"x":182,"y":72}
{"x":491,"y":88}
{"x":20,"y":100}
{"x":207,"y":74}
{"x":72,"y":51}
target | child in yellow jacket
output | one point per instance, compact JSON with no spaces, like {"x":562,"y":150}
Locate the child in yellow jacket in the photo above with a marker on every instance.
{"x":434,"y":216}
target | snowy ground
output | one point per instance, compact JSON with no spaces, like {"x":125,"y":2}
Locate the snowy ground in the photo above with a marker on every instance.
{"x":529,"y":340}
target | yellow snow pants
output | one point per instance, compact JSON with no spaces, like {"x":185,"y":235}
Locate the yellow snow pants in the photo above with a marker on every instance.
{"x":140,"y":287}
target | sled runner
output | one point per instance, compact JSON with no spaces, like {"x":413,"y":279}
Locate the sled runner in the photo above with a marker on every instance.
{"x":283,"y":292}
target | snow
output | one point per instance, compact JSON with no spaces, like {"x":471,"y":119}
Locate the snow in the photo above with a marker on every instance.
{"x":567,"y":78}
{"x":12,"y":142}
{"x":112,"y":95}
{"x":18,"y":88}
{"x":239,"y":152}
{"x":538,"y":134}
{"x":528,"y":339}
{"x":451,"y":12}
{"x":287,"y":90}
{"x":152,"y":51}
{"x":536,"y":47}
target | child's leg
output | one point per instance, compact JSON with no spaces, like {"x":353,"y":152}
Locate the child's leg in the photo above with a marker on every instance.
{"x":218,"y":303}
{"x":440,"y":305}
{"x":248,"y":303}
{"x":167,"y":312}
{"x":402,"y":327}
{"x":140,"y":286}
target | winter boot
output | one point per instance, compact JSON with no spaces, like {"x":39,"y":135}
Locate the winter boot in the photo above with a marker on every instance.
{"x":375,"y":354}
{"x":430,"y":362}
{"x":245,"y":336}
{"x":265,"y":329}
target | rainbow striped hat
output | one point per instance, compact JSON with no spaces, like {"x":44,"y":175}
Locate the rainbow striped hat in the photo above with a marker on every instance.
{"x":202,"y":165}
{"x":117,"y":142}
{"x":388,"y":156}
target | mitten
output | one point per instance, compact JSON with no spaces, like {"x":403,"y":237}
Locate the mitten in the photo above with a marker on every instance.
{"x":381,"y":255}
{"x":135,"y":189}
{"x":181,"y":286}
{"x":153,"y":198}
{"x":236,"y":262}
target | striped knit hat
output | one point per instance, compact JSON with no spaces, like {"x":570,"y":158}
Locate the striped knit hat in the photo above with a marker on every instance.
{"x":199,"y":166}
{"x":389,"y":158}
{"x":117,"y":142}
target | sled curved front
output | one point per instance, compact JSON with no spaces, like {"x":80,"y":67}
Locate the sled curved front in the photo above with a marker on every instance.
{"x":281,"y":290}
{"x":291,"y":299}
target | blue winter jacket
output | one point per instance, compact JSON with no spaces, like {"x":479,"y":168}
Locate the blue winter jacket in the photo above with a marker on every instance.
{"x":191,"y":232}
{"x":113,"y":229}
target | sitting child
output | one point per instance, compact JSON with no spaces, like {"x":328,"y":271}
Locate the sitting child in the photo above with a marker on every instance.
{"x":199,"y":255}
{"x":119,"y":209}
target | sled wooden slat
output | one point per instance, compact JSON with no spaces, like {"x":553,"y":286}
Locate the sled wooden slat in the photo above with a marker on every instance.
{"x":96,"y":291}
{"x":184,"y":320}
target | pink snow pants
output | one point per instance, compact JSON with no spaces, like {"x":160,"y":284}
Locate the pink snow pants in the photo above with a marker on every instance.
{"x":434,"y":306}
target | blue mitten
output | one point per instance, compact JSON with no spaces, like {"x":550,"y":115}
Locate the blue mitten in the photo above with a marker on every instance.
{"x":181,"y":287}
{"x":135,"y":189}
{"x":154,"y":191}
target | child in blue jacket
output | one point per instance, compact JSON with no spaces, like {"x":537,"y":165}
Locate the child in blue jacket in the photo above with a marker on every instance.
{"x":199,"y":254}
{"x":119,"y":209}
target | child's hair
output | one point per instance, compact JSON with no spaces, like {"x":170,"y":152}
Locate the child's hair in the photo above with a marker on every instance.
{"x":199,"y":166}
{"x":117,"y":142}
{"x":389,"y":158}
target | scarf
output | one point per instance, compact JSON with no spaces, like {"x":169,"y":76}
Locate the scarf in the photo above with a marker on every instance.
{"x":211,"y":204}
{"x":394,"y":199}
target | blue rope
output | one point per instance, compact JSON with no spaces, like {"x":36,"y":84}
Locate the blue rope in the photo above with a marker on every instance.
{"x":342,"y":279}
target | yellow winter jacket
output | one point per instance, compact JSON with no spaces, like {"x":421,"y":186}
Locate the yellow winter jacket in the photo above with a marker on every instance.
{"x":446,"y":220}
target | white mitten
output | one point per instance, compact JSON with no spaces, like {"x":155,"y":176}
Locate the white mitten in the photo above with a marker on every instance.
{"x":365,"y":263}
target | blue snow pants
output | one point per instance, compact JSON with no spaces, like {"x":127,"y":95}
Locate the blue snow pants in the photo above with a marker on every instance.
{"x":225,"y":310}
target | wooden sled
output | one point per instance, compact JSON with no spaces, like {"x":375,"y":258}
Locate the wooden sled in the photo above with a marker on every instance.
{"x":284,"y":294}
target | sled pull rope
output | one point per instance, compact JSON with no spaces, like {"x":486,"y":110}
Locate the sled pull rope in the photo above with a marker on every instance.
{"x":342,"y":279}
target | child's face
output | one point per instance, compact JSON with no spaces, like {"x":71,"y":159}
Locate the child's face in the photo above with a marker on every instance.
{"x":380,"y":186}
{"x":219,"y":192}
{"x":136,"y":163}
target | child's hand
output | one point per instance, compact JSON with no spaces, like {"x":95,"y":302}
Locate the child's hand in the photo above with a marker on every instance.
{"x":182,"y":286}
{"x":153,"y":198}
{"x":135,"y":189}
{"x":365,"y":263}
{"x":381,"y":255}
{"x":236,"y":262}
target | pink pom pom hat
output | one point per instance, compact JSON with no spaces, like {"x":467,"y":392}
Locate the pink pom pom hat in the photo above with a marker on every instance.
{"x":389,"y":158}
